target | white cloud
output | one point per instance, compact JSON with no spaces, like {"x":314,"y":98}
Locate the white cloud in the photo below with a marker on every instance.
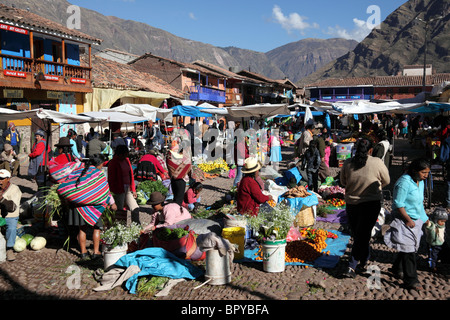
{"x":192,"y":16}
{"x":358,"y":33}
{"x":293,"y":22}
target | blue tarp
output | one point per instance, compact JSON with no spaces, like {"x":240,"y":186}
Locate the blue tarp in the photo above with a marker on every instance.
{"x":296,"y":204}
{"x":190,"y":111}
{"x":314,"y":113}
{"x":157,"y":262}
{"x":337,"y":248}
{"x":432,"y":107}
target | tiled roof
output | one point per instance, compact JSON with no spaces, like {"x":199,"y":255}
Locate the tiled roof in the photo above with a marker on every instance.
{"x":178,"y":63}
{"x":383,"y":81}
{"x":114,"y":75}
{"x":257,"y":76}
{"x":31,"y":21}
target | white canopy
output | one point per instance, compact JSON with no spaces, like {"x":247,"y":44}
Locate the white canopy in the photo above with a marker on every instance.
{"x":264,"y":110}
{"x":143,"y":110}
{"x":114,"y":117}
{"x":55,"y":116}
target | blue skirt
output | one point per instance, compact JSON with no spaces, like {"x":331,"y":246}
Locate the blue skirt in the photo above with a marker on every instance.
{"x":275,"y":154}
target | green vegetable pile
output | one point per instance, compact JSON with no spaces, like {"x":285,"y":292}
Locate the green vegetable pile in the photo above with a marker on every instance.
{"x":166,"y":234}
{"x":148,"y":187}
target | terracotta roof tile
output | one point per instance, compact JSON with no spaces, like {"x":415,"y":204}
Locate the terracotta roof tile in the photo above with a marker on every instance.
{"x":28,"y":20}
{"x":111,"y":74}
{"x":383,"y":81}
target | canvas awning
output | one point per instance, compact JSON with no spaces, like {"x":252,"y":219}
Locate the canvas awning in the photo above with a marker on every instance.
{"x":54,"y":116}
{"x":105,"y":98}
{"x":119,"y":117}
{"x":144,"y":110}
{"x":189,"y":111}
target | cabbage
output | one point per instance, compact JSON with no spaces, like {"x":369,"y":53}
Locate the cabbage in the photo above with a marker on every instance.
{"x":20,"y":245}
{"x":27,"y":237}
{"x":38,"y":243}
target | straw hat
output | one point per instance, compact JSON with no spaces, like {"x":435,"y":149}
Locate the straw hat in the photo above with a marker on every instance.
{"x":63,"y":142}
{"x":251,"y":165}
{"x":156,"y":198}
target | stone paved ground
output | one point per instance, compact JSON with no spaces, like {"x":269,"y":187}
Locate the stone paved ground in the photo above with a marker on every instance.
{"x":47,"y":275}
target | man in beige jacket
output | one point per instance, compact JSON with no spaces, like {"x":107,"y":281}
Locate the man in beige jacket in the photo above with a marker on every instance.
{"x":9,"y":160}
{"x":10,"y":197}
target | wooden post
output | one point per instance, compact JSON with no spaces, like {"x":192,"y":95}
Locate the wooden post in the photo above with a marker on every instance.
{"x":63,"y":56}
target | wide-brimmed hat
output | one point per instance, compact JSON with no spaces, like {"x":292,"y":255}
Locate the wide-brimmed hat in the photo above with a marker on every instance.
{"x":63,"y":142}
{"x":251,"y":165}
{"x":156,"y":198}
{"x":7,"y":147}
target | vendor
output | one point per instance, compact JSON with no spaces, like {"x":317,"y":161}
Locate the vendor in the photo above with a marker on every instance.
{"x":192,"y":196}
{"x":165,"y":214}
{"x":249,"y":193}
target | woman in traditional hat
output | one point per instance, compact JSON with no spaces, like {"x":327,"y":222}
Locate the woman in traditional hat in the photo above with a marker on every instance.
{"x":249,"y":193}
{"x":165,"y":214}
{"x":64,"y":151}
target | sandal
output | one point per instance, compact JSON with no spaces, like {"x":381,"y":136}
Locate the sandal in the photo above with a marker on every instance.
{"x":95,"y":256}
{"x":84,"y":256}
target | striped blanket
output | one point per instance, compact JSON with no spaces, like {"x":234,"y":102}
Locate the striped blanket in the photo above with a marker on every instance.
{"x":60,"y":172}
{"x":91,"y":195}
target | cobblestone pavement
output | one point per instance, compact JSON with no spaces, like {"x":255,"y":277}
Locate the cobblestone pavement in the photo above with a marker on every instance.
{"x":49,"y":273}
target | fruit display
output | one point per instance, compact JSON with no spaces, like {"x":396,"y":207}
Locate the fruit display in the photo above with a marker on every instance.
{"x":297,"y":192}
{"x":271,"y":203}
{"x":311,"y":246}
{"x":348,"y":140}
{"x":216,"y":166}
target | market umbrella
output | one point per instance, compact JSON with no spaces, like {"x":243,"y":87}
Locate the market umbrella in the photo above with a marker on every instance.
{"x":143,"y":110}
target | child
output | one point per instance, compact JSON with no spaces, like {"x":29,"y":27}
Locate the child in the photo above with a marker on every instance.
{"x":312,"y":163}
{"x":435,"y":235}
{"x":191,"y":197}
{"x":327,"y":153}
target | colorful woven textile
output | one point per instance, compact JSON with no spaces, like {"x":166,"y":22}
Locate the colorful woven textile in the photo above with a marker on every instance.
{"x":60,"y":172}
{"x":91,"y":195}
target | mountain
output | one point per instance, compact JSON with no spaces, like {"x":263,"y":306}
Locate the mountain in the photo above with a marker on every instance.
{"x":294,"y":60}
{"x":399,"y":41}
{"x":302,"y":58}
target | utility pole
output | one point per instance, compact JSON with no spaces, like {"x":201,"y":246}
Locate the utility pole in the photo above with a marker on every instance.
{"x":425,"y":49}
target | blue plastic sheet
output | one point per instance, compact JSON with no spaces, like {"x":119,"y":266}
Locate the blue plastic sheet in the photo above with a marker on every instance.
{"x":337,"y":248}
{"x":157,"y":262}
{"x":296,"y":204}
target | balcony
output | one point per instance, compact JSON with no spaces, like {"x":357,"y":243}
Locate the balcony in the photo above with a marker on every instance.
{"x":200,"y":93}
{"x":21,"y":72}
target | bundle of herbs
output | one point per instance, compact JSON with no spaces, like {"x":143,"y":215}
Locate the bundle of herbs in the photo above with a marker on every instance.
{"x":272,"y":223}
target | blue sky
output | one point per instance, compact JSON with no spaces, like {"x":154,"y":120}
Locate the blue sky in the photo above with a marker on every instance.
{"x":260,"y":25}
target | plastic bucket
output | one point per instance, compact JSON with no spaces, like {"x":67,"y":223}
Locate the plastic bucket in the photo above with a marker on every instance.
{"x":218,"y":271}
{"x":274,"y":255}
{"x":236,"y":235}
{"x":111,"y":256}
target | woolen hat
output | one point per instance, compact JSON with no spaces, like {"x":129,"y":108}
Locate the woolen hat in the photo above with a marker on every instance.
{"x":156,"y":198}
{"x":63,"y":142}
{"x":440,"y":214}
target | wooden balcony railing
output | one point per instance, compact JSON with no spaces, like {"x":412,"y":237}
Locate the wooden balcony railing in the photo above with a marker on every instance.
{"x":50,"y":68}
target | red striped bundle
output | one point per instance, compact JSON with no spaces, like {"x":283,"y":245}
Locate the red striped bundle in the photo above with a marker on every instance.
{"x":60,"y":172}
{"x":178,"y":164}
{"x":90,"y":197}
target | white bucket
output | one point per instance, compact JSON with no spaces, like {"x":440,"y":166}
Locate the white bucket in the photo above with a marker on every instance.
{"x":218,"y":270}
{"x":274,"y":255}
{"x":2,"y":248}
{"x":111,"y":256}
